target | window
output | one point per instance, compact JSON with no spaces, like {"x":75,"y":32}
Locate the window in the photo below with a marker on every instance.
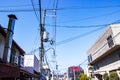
{"x":0,"y":42}
{"x":110,"y":41}
{"x":89,"y":58}
{"x":1,"y":49}
{"x":118,"y":54}
{"x":12,"y":55}
{"x":96,"y":67}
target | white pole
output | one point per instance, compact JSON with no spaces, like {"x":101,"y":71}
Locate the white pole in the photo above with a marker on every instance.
{"x":74,"y":75}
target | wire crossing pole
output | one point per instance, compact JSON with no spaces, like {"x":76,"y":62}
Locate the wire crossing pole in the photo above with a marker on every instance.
{"x":41,"y":39}
{"x":42,"y":29}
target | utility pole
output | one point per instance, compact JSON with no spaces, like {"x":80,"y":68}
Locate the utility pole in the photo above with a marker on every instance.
{"x":42,"y":21}
{"x":41,"y":38}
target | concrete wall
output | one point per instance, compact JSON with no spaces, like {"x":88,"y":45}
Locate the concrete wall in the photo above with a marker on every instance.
{"x":116,"y":33}
{"x":101,"y":46}
{"x":111,"y":62}
{"x":36,"y":64}
{"x":28,"y":60}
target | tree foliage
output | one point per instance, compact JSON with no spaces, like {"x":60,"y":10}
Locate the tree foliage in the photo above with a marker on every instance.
{"x":105,"y":76}
{"x":83,"y":77}
{"x":114,"y":76}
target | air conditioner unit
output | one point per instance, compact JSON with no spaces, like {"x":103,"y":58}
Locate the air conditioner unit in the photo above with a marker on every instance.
{"x":15,"y":60}
{"x":21,"y":61}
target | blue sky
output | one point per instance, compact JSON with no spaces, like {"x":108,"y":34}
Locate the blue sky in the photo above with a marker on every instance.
{"x":73,"y":42}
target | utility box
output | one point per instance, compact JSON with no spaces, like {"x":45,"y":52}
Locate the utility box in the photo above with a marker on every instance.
{"x":45,"y":36}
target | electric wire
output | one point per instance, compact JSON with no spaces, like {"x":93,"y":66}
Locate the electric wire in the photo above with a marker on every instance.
{"x":89,"y":7}
{"x":55,"y":24}
{"x":79,"y":36}
{"x":90,"y":26}
{"x":35,"y":43}
{"x":83,"y":62}
{"x":82,"y":35}
{"x":71,"y":26}
{"x":8,"y":6}
{"x":46,"y":60}
{"x":56,"y":6}
{"x":34,"y":49}
{"x":32,"y":52}
{"x":68,"y":8}
{"x":87,"y":18}
{"x":85,"y":34}
{"x":34,"y":11}
{"x":41,"y":37}
{"x":91,"y":17}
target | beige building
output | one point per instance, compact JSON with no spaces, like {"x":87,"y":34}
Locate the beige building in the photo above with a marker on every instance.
{"x":104,"y":55}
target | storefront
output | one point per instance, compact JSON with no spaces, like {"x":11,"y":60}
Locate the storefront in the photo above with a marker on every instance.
{"x":11,"y":72}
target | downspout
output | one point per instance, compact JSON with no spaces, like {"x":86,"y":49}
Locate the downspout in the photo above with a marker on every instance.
{"x":9,"y":38}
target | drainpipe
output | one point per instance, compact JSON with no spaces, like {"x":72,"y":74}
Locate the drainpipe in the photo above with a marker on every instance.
{"x":9,"y":38}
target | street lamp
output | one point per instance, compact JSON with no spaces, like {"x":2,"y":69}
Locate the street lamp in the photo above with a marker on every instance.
{"x":45,"y":54}
{"x":46,"y":66}
{"x":52,"y":49}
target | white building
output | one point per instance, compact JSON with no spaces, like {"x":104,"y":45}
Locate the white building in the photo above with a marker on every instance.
{"x":104,"y":55}
{"x":31,"y":63}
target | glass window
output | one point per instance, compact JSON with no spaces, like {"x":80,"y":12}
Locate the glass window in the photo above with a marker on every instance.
{"x":110,"y":41}
{"x":89,"y":58}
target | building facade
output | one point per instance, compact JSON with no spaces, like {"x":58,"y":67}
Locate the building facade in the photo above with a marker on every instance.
{"x":104,"y":55}
{"x":13,"y":70}
{"x":31,"y":64}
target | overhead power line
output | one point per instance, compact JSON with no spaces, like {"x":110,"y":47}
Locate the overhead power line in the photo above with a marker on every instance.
{"x":73,"y":38}
{"x":27,"y":10}
{"x":88,"y":7}
{"x":83,"y":62}
{"x":14,"y":6}
{"x":24,"y":10}
{"x":90,"y":26}
{"x":69,"y":26}
{"x":85,"y":34}
{"x":19,"y":10}
{"x":79,"y":36}
{"x":92,"y":17}
{"x":35,"y":11}
{"x":66,"y":8}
